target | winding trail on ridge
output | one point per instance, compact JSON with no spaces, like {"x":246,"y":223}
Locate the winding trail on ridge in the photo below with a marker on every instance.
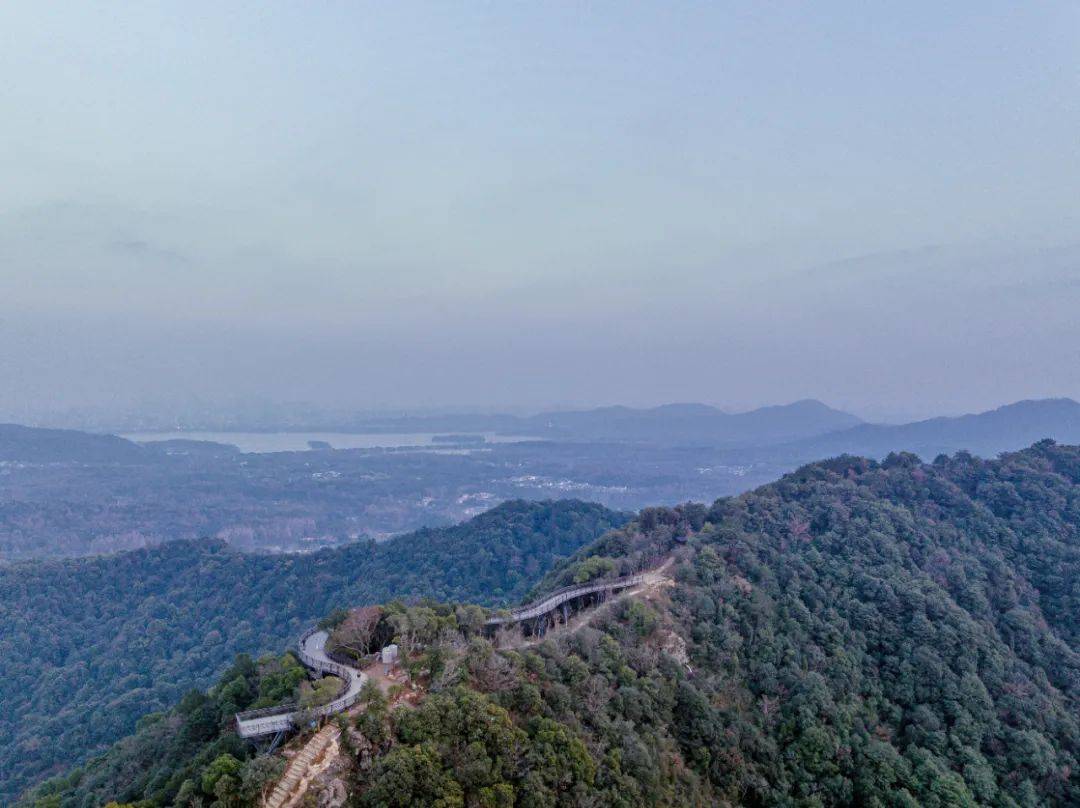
{"x":312,"y":653}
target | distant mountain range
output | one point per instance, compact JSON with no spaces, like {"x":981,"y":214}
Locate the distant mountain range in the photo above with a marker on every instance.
{"x":808,"y":429}
{"x":696,"y":424}
{"x":801,"y":431}
{"x":986,"y":434}
{"x":669,"y":424}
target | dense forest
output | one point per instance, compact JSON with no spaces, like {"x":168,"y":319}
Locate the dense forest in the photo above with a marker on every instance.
{"x":858,"y":633}
{"x":88,"y":646}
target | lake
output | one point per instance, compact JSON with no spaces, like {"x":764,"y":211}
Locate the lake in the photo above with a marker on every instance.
{"x":261,"y":442}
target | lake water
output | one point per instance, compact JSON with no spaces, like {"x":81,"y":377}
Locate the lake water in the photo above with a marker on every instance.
{"x":261,"y":442}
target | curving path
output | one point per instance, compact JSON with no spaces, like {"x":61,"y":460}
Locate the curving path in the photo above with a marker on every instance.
{"x":312,"y":653}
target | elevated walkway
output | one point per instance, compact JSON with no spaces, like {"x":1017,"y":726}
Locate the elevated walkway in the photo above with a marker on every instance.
{"x":549,"y":603}
{"x":311,"y":650}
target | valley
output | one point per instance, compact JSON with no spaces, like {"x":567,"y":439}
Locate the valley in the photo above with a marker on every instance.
{"x":66,"y":493}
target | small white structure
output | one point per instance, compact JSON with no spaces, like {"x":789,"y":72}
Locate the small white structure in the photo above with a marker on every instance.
{"x":389,"y":657}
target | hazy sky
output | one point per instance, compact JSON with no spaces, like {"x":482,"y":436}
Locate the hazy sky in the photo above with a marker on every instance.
{"x":402,"y":204}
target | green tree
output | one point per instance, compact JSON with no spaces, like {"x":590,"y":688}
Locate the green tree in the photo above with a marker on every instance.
{"x":594,"y":567}
{"x":410,"y":776}
{"x":222,"y":766}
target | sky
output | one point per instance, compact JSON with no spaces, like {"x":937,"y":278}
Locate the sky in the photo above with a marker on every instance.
{"x":532,"y":205}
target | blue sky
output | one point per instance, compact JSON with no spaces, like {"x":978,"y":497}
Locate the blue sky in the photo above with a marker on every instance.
{"x":404,"y":204}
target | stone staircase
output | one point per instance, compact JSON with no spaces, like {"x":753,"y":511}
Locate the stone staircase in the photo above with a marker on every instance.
{"x":298,"y":767}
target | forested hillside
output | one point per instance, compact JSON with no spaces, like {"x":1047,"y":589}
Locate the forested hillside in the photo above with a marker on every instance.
{"x":855,"y":634}
{"x":88,"y":646}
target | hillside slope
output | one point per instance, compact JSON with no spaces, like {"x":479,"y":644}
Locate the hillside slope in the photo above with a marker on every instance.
{"x":35,"y":445}
{"x":88,"y":646}
{"x":854,"y":634}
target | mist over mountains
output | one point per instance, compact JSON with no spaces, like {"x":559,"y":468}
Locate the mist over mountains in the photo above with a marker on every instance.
{"x":807,"y":427}
{"x":696,"y":424}
{"x":803,"y":428}
{"x":986,"y":434}
{"x":70,"y":493}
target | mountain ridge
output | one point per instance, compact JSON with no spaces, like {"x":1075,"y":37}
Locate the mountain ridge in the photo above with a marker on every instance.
{"x":808,"y":427}
{"x":856,"y":633}
{"x":697,"y":423}
{"x":20,"y":443}
{"x":1006,"y":428}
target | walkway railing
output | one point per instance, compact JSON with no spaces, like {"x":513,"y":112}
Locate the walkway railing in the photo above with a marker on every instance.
{"x":263,"y":712}
{"x":561,"y":596}
{"x":285,"y":716}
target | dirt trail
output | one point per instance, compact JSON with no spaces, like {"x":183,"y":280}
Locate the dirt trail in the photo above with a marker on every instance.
{"x":323,"y":750}
{"x":374,"y":673}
